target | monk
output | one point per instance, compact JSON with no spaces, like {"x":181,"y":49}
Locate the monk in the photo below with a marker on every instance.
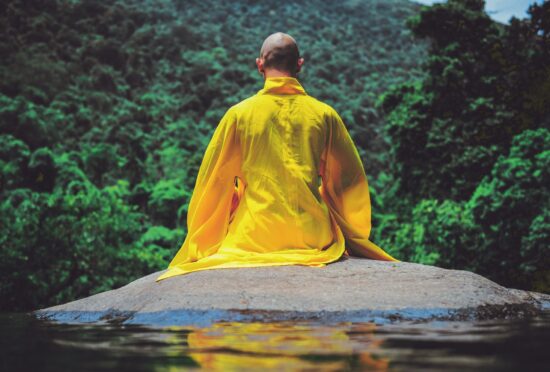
{"x":281,"y":181}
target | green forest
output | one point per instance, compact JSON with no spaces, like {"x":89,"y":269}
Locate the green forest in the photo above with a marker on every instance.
{"x":106,"y":108}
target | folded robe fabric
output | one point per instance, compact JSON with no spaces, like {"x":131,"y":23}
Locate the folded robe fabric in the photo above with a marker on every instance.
{"x":280,"y":183}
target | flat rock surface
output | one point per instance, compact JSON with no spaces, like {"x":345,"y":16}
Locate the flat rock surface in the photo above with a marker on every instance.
{"x":351,"y":289}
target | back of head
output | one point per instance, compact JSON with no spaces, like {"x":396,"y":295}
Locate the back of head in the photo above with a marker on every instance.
{"x":280,"y":52}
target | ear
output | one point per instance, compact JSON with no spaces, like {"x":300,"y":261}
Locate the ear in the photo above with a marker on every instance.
{"x":260,"y":65}
{"x":300,"y":63}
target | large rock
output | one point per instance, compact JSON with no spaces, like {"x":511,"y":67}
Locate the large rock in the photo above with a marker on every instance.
{"x":352,"y":289}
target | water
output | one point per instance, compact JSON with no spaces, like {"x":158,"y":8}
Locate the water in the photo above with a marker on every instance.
{"x":503,"y":345}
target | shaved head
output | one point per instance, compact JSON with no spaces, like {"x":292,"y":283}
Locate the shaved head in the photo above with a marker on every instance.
{"x":280,"y":52}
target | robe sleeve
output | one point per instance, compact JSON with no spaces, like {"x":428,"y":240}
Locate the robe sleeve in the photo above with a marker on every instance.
{"x":346,"y":191}
{"x":215,"y":195}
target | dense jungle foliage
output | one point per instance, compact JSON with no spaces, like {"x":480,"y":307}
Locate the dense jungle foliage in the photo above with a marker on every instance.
{"x":106,"y":108}
{"x":470,"y":147}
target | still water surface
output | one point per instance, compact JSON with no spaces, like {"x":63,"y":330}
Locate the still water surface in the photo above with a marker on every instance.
{"x":503,"y":345}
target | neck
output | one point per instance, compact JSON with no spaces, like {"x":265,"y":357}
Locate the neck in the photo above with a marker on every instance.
{"x":277,"y":73}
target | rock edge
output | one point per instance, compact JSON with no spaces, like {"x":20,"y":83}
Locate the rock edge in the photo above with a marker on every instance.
{"x":351,"y":289}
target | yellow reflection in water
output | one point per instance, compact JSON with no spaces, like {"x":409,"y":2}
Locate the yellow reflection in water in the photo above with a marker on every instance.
{"x":285,"y":346}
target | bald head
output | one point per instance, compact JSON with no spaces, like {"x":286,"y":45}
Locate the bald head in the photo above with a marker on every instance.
{"x":280,"y":52}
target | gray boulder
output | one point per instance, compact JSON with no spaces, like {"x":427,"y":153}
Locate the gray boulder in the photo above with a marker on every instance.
{"x":351,"y":289}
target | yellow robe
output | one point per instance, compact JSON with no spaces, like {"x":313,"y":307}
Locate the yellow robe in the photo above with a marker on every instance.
{"x":258,"y":198}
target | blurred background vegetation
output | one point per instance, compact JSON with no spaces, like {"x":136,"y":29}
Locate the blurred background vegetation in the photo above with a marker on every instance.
{"x":106,"y":108}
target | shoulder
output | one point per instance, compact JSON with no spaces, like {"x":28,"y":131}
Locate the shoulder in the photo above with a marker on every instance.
{"x":321,"y":107}
{"x":235,"y":111}
{"x":328,"y":112}
{"x":244,"y":105}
